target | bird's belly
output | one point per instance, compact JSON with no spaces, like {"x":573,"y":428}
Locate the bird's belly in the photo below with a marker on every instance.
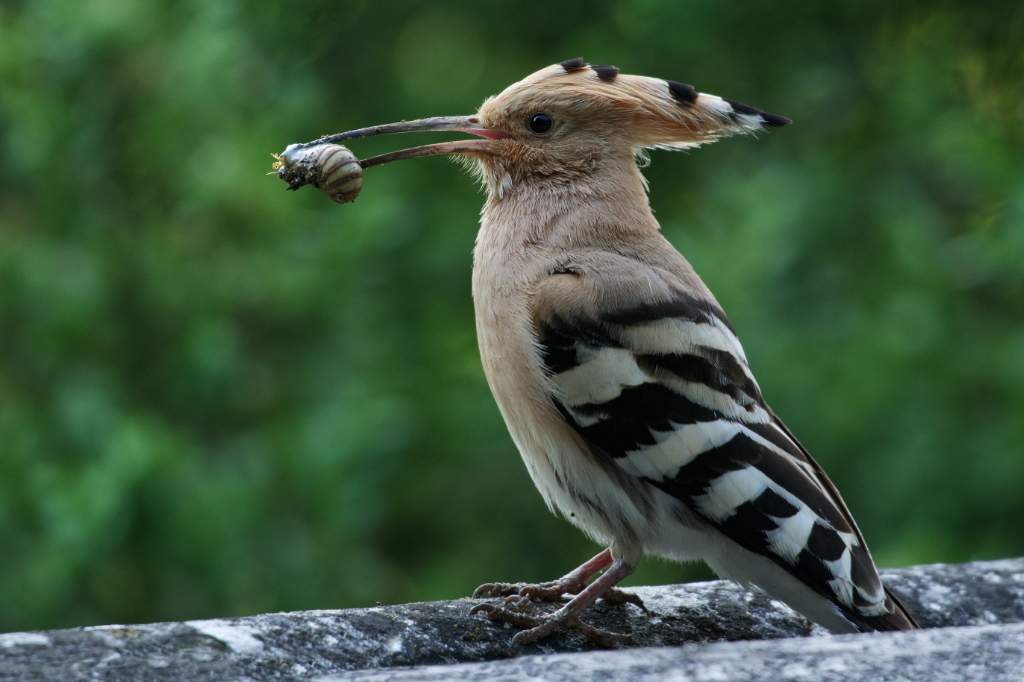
{"x":609,"y":505}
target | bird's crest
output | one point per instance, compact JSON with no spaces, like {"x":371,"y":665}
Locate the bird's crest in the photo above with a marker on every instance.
{"x":652,"y":112}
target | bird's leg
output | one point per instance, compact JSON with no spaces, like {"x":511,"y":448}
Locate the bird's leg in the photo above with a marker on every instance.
{"x":569,"y":615}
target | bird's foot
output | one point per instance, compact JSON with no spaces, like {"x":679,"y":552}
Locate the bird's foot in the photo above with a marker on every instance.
{"x":519,"y":609}
{"x":549,"y":591}
{"x":521,"y":612}
{"x":555,"y":590}
{"x":571,"y":584}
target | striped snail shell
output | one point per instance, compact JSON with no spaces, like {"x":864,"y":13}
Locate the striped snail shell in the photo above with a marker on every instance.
{"x":342,"y":176}
{"x":329,"y":167}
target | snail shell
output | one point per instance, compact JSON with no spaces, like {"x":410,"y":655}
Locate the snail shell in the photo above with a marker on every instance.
{"x":341,"y":174}
{"x":329,"y":167}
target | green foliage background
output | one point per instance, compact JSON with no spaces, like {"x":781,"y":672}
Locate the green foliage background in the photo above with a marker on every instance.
{"x":218,"y":398}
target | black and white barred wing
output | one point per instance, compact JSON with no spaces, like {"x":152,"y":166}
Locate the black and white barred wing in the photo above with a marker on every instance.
{"x":655,"y":379}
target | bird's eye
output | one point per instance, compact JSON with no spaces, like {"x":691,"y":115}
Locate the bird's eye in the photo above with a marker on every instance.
{"x":540,"y":123}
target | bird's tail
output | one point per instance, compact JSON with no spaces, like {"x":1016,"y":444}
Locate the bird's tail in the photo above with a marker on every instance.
{"x":898,"y":617}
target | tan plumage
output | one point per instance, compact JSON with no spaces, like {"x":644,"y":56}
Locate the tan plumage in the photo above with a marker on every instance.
{"x":619,"y":377}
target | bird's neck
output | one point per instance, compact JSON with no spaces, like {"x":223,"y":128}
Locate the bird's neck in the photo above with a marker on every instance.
{"x":557,"y":214}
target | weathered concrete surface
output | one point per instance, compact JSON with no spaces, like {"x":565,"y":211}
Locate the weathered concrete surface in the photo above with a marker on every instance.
{"x":305,"y":645}
{"x":991,"y":653}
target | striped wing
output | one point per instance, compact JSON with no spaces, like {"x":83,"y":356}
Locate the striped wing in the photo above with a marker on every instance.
{"x":660,"y":385}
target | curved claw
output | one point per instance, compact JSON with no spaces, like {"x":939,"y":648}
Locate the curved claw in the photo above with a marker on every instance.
{"x":533,"y":634}
{"x":614,"y":595}
{"x":486,"y":587}
{"x":482,"y":608}
{"x":601,"y":637}
{"x":498,"y":589}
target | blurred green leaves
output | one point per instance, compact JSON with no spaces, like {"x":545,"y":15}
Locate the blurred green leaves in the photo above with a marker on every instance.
{"x":219,"y":398}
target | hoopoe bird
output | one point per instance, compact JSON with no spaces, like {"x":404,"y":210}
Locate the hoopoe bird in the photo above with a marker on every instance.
{"x":620,"y":378}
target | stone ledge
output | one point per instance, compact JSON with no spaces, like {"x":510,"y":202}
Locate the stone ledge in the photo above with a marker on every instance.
{"x":311,"y":644}
{"x":989,"y":653}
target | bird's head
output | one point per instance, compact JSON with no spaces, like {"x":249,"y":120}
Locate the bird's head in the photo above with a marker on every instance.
{"x":572,"y":120}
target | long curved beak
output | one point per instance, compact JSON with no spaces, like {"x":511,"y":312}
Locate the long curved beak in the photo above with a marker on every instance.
{"x":465,"y":124}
